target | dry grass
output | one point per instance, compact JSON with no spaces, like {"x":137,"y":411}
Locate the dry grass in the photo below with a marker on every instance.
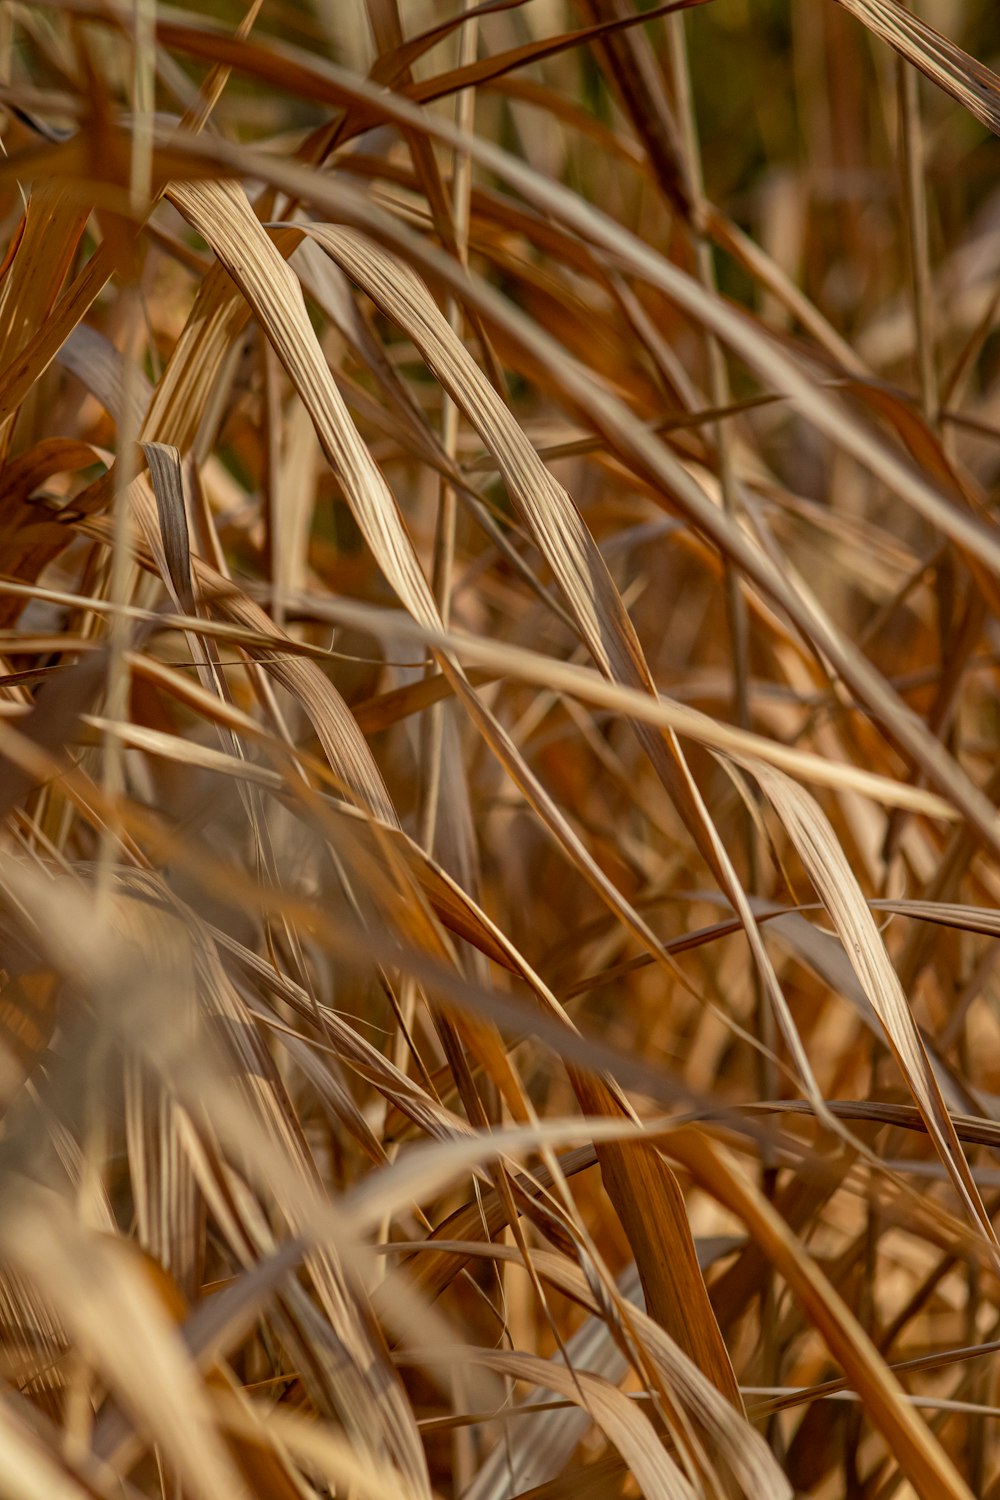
{"x":500,"y":614}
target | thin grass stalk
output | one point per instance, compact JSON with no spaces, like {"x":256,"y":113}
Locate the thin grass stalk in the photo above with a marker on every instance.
{"x":918,"y":245}
{"x":143,"y":104}
{"x":432,"y":724}
{"x":916,"y":221}
{"x":122,"y":571}
{"x":120,"y":578}
{"x":444,"y":536}
{"x":737,"y":616}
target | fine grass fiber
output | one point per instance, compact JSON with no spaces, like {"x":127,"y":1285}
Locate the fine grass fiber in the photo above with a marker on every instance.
{"x":499,"y":719}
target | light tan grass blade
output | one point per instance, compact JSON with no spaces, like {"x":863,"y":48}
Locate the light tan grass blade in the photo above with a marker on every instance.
{"x":554,"y":521}
{"x":169,"y":1208}
{"x":32,"y":1471}
{"x":820,"y":852}
{"x":961,"y":76}
{"x":187,"y":386}
{"x":222,"y":214}
{"x":170,"y":1214}
{"x":624,"y":1423}
{"x":100,"y":1291}
{"x":213,"y":86}
{"x":585,"y":684}
{"x":431,"y":1165}
{"x":174,"y":747}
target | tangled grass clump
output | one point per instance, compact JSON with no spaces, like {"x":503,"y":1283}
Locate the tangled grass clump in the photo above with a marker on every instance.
{"x":500,"y":620}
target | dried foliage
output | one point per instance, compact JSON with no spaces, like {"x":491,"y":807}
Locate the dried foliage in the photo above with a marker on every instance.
{"x":500,"y":613}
